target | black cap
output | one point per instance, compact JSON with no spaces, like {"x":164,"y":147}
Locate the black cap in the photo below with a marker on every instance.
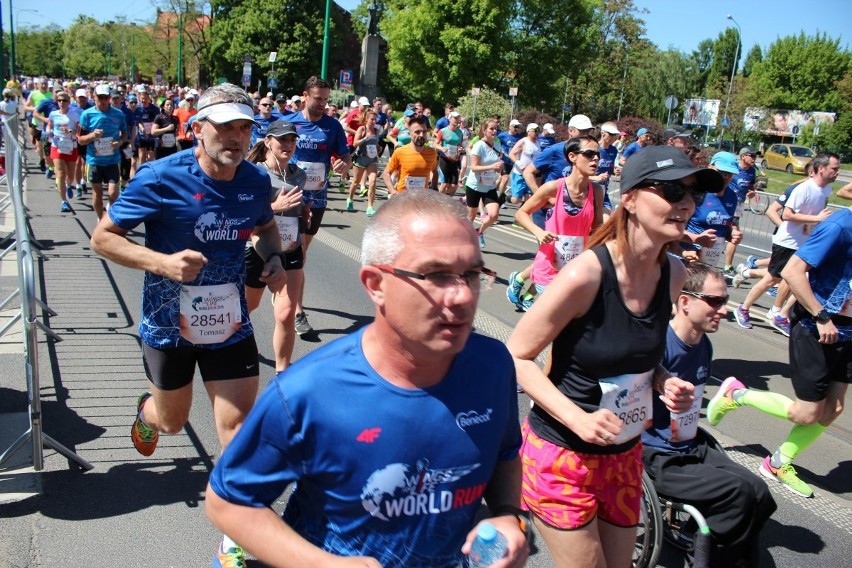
{"x":748,"y":150}
{"x":281,"y":128}
{"x":666,"y":163}
{"x":676,"y":132}
{"x":280,"y":97}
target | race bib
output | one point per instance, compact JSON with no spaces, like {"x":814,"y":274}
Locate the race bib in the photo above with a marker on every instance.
{"x":488,"y":179}
{"x":715,"y":255}
{"x":66,"y":146}
{"x":371,"y":151}
{"x":629,"y":398}
{"x":566,"y":248}
{"x":103,"y":147}
{"x":167,"y":140}
{"x":288,"y":228}
{"x":209,"y":314}
{"x":685,"y":425}
{"x":415,"y":182}
{"x":452,"y":152}
{"x":315,"y":172}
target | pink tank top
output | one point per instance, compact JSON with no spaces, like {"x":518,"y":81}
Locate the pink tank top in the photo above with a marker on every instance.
{"x":572,"y":231}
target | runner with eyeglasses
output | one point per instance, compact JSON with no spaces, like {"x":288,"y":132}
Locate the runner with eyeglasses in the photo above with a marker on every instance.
{"x":574,"y":207}
{"x":606,"y":314}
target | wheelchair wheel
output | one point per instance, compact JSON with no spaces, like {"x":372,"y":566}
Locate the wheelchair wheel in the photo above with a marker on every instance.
{"x":649,"y":533}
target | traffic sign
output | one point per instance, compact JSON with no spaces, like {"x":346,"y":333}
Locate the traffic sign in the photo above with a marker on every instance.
{"x":346,"y":79}
{"x":671,"y":102}
{"x":725,"y":122}
{"x":475,"y":91}
{"x":272,"y":83}
{"x":272,"y":56}
{"x":513,"y":91}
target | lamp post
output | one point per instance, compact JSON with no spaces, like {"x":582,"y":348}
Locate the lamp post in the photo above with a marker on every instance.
{"x":733,"y":71}
{"x":324,"y":70}
{"x":12,"y":34}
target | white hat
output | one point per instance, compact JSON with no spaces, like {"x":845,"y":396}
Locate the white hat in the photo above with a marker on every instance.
{"x":453,"y":114}
{"x":364,"y":101}
{"x":220,"y":113}
{"x":515,"y":122}
{"x":81,"y":93}
{"x":353,"y":104}
{"x":609,"y":128}
{"x":296,"y":99}
{"x":102,"y":90}
{"x":548,"y":128}
{"x":532,"y":126}
{"x":189,"y":95}
{"x":193,"y":92}
{"x":580,"y":122}
{"x":141,"y":89}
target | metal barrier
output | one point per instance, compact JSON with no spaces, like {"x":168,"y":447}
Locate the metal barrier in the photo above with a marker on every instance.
{"x":23,"y":246}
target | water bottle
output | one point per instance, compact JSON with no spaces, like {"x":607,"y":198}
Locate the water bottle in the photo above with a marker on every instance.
{"x":488,"y":547}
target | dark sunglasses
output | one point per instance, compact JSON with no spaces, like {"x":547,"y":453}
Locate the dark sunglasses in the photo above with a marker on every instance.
{"x":63,"y":100}
{"x":266,"y":104}
{"x":714,"y":302}
{"x":589,"y":154}
{"x":674,"y":191}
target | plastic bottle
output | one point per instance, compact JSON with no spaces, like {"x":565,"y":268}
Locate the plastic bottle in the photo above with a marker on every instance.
{"x":488,"y":547}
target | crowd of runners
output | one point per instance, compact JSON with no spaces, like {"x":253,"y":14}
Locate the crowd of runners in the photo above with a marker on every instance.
{"x":220,"y":230}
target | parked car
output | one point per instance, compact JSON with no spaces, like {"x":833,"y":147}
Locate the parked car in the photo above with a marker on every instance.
{"x":788,"y":157}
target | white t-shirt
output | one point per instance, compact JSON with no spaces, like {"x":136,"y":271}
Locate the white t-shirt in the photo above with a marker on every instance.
{"x":9,"y":106}
{"x":809,"y":199}
{"x":528,"y":154}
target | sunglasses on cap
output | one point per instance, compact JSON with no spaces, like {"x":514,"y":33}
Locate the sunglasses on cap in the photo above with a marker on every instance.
{"x":714,"y":302}
{"x":674,"y":191}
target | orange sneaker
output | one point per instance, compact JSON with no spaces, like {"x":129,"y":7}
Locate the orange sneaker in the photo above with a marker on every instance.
{"x":144,"y":437}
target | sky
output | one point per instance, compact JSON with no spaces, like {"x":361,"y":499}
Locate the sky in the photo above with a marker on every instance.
{"x":680,"y":24}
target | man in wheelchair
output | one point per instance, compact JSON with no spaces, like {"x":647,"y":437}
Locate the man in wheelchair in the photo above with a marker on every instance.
{"x":735,"y":502}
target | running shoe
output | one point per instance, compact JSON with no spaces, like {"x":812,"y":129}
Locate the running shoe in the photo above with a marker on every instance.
{"x":481,"y":240}
{"x":144,"y":437}
{"x":780,"y":323}
{"x":742,"y":317}
{"x":723,"y":401}
{"x":41,"y":166}
{"x":786,"y":475}
{"x":772,"y":292}
{"x":69,"y":192}
{"x":79,"y":193}
{"x":48,"y":173}
{"x":234,"y":557}
{"x":363,"y":192}
{"x":739,"y":278}
{"x":729,"y":273}
{"x":751,"y":262}
{"x":302,"y":325}
{"x":526,"y":303}
{"x":349,"y":205}
{"x":370,"y":211}
{"x":514,"y":289}
{"x":65,"y":207}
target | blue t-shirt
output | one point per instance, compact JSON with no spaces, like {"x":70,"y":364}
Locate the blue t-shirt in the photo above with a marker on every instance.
{"x":829,"y":253}
{"x":46,"y":107}
{"x":396,"y":474}
{"x":317,"y":142}
{"x":743,"y":182}
{"x":690,"y":363}
{"x":545,"y":142}
{"x":508,"y":142}
{"x":183,"y":208}
{"x":145,"y":116}
{"x":443,"y":122}
{"x":258,"y":131}
{"x":631,"y":149}
{"x":112,"y":123}
{"x":551,"y":163}
{"x":381,"y":120}
{"x":714,"y":213}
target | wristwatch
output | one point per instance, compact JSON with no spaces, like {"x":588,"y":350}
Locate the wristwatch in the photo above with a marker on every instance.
{"x":823,"y":316}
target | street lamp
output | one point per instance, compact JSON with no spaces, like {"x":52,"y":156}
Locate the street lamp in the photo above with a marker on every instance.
{"x":733,"y":71}
{"x":12,"y":34}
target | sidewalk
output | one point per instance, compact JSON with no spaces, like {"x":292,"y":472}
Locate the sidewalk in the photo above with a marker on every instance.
{"x":89,"y":384}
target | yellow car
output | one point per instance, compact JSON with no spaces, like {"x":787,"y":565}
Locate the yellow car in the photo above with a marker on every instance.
{"x":788,"y":157}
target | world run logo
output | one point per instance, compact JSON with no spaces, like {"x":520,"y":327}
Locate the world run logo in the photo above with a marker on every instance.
{"x":213,"y":227}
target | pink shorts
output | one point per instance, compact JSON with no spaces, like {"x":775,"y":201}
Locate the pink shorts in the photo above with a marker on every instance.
{"x":567,"y":489}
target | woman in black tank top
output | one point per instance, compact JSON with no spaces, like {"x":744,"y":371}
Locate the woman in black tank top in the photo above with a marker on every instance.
{"x":605,"y":314}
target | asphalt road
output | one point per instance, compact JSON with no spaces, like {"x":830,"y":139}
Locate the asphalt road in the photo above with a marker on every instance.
{"x":136,"y":511}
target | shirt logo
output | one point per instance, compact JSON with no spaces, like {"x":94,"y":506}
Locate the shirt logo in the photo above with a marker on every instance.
{"x":472,"y":418}
{"x":369,"y":435}
{"x":245,"y":197}
{"x":212,"y":227}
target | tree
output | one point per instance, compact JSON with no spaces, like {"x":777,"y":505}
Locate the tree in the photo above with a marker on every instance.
{"x":755,"y":56}
{"x":31,"y":47}
{"x":437,"y":49}
{"x":488,"y":103}
{"x":800,"y":72}
{"x":86,"y":48}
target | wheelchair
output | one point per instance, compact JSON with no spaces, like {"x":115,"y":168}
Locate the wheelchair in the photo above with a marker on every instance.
{"x":680,"y":524}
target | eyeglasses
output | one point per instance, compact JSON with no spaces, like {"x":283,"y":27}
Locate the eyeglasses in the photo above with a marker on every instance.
{"x":714,"y":302}
{"x":674,"y":192}
{"x":266,"y":104}
{"x":481,"y":279}
{"x":63,"y":100}
{"x":589,"y":154}
{"x":131,"y":102}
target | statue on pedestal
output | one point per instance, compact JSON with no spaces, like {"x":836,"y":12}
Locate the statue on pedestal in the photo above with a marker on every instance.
{"x":373,"y":22}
